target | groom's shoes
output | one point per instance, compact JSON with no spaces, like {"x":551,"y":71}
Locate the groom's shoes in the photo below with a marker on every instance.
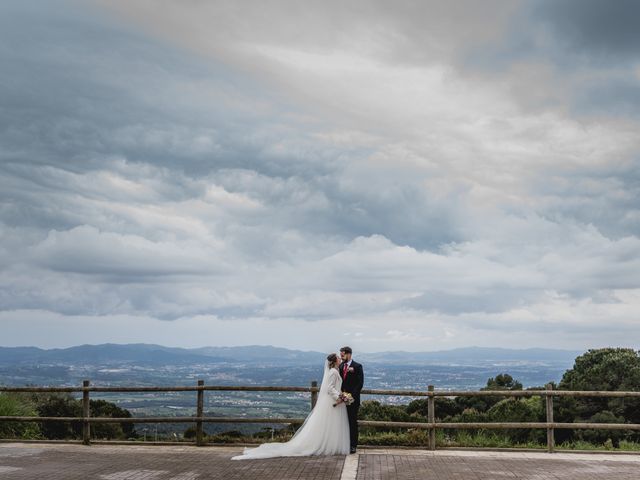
{"x":353,"y":450}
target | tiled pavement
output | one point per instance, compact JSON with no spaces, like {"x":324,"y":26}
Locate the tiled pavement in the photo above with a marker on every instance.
{"x":449,"y":465}
{"x":107,"y":462}
{"x":112,"y":462}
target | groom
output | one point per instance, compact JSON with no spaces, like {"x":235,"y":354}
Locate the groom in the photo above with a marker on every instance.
{"x":352,"y":382}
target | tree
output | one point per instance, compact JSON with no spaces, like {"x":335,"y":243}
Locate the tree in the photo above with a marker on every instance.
{"x":444,"y":407}
{"x":602,"y":436}
{"x":605,"y":369}
{"x":468,"y":415}
{"x":520,"y":410}
{"x":65,"y":405}
{"x":59,"y":405}
{"x":504,"y":381}
{"x":374,"y":410}
{"x":102,"y":408}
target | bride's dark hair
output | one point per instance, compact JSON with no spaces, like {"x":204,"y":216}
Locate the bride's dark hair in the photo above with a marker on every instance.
{"x":332,"y":358}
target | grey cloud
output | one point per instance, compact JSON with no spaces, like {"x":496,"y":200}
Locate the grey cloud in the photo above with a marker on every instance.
{"x":486,"y":301}
{"x":606,"y":196}
{"x":579,"y":41}
{"x":86,"y":250}
{"x":398,"y":33}
{"x":571,"y":34}
{"x":107,"y":91}
{"x":596,"y":28}
{"x":576,"y":56}
{"x":137,"y":178}
{"x":615,"y":97}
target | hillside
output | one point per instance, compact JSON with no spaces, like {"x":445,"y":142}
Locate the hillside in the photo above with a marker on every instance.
{"x":149,"y":354}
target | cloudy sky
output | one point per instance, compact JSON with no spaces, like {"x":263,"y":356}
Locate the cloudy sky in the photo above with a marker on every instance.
{"x":390,"y":175}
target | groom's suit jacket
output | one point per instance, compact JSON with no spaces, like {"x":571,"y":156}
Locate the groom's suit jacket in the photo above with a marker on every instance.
{"x":354,"y":381}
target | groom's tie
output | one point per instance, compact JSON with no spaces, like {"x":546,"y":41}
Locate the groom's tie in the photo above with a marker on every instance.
{"x":344,"y":371}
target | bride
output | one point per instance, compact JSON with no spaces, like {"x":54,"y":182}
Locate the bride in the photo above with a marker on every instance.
{"x":324,"y":432}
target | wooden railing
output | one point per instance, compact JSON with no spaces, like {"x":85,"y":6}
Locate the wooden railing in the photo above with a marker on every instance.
{"x":431,"y":425}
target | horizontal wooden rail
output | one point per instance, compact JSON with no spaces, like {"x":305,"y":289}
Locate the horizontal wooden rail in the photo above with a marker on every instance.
{"x":402,"y":393}
{"x":152,"y":419}
{"x":215,"y":388}
{"x":534,"y":393}
{"x":364,"y":423}
{"x":501,"y":425}
{"x":41,"y":389}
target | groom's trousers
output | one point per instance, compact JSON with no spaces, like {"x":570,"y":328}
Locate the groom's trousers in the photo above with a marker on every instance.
{"x":352,"y":414}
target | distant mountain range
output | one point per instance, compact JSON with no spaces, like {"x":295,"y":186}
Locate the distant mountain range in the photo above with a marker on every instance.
{"x":148,"y":354}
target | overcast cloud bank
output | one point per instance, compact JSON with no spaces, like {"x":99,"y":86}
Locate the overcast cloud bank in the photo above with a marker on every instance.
{"x":210,"y":173}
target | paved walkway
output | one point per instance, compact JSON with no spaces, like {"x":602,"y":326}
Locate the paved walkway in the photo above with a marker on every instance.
{"x":474,"y":465}
{"x":107,"y":462}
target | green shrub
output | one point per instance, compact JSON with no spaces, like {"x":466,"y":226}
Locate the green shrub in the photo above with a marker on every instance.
{"x":59,"y":405}
{"x":102,"y":408}
{"x":600,"y":437}
{"x":12,"y":404}
{"x":520,"y":410}
{"x":374,"y":410}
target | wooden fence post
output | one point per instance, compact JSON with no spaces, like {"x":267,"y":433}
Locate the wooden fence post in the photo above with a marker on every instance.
{"x":199,"y":414}
{"x":86,"y":429}
{"x":431,"y":418}
{"x":314,"y":394}
{"x":550,"y":432}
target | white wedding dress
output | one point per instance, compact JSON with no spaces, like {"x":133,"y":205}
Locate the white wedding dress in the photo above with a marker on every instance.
{"x":324,"y":432}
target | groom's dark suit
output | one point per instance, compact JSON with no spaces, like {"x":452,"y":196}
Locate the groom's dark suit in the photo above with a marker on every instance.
{"x":352,"y":382}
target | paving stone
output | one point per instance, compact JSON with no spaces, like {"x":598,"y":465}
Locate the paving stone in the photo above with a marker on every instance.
{"x":443,"y":466}
{"x":102,"y":462}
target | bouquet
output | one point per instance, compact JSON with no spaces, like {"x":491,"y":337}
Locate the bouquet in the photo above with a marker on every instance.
{"x":345,"y":397}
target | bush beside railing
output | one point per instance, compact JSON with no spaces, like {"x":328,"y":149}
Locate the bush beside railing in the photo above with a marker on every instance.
{"x":431,"y":425}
